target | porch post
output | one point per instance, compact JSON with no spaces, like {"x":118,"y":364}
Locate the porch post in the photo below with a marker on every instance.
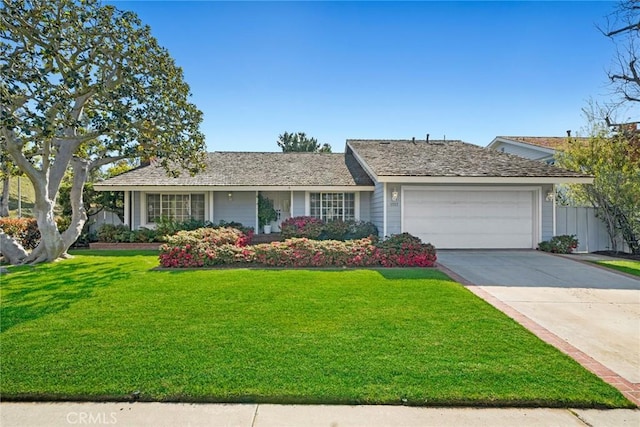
{"x":553,"y":189}
{"x":127,"y":208}
{"x":211,"y":205}
{"x":257,"y":224}
{"x":384,"y":210}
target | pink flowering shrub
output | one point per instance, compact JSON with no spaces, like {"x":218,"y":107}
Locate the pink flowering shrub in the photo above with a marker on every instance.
{"x":204,"y":247}
{"x":302,"y":226}
{"x":317,"y":253}
{"x":226,"y":247}
{"x":405,"y":250}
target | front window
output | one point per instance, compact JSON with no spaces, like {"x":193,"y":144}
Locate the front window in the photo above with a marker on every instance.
{"x":329,"y":206}
{"x":177,"y":207}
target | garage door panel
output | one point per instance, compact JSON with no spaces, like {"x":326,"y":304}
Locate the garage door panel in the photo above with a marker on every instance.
{"x":470,"y":219}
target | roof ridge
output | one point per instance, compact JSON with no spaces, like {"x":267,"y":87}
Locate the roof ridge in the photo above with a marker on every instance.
{"x":408,"y":140}
{"x":268,"y":152}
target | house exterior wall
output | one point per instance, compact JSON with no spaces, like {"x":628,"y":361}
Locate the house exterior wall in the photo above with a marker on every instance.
{"x":376,"y":208}
{"x":526,"y":152}
{"x":394,"y":210}
{"x":241,"y":208}
{"x":365,"y":205}
{"x":547,"y":213}
{"x":298,"y":207}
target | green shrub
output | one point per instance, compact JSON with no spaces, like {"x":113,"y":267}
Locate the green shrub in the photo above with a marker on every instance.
{"x":110,"y":233}
{"x":361,"y":229}
{"x":337,"y":229}
{"x":301,"y":227}
{"x":25,"y":230}
{"x":564,"y":244}
{"x":146,"y":235}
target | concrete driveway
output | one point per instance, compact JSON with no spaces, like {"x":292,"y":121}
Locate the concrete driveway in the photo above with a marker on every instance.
{"x":594,"y":310}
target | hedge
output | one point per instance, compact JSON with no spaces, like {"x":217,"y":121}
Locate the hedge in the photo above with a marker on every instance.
{"x":228,"y":247}
{"x":337,"y":229}
{"x":25,"y":230}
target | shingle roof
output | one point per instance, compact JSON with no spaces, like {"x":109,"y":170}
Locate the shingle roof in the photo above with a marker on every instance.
{"x":256,"y":169}
{"x":553,"y":142}
{"x":447,"y":159}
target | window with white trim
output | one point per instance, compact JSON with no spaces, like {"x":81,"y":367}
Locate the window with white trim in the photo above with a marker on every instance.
{"x":177,"y":207}
{"x":328,"y":206}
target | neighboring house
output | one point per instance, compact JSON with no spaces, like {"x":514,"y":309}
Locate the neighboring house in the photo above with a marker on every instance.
{"x":541,"y":148}
{"x":452,"y":194}
{"x":577,"y":220}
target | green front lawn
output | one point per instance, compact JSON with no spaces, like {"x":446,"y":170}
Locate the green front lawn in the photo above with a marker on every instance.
{"x":105,"y":325}
{"x":629,"y":267}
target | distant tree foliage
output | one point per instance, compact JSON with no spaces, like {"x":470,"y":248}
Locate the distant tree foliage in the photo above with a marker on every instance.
{"x":299,"y":142}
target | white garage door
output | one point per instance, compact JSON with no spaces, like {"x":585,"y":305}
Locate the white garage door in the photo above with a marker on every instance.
{"x":467,"y":219}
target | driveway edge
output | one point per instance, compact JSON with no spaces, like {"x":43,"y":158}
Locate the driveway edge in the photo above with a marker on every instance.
{"x":628,"y":389}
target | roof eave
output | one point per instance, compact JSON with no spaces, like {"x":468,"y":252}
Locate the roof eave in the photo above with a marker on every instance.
{"x":486,"y":179}
{"x":531,"y":146}
{"x":172,"y":188}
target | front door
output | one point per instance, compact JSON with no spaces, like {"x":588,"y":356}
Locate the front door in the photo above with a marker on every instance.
{"x":282,"y":205}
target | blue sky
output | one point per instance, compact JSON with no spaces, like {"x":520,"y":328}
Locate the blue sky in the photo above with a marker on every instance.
{"x":338,"y":70}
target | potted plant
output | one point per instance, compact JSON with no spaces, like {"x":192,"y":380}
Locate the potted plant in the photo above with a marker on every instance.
{"x":266,"y":213}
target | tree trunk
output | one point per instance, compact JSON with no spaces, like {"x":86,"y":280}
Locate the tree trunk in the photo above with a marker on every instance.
{"x":79,"y":214}
{"x":4,"y":199}
{"x":51,"y":246}
{"x":12,"y":251}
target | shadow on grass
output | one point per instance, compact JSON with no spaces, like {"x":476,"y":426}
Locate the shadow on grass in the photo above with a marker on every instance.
{"x":29,"y":293}
{"x":412,"y":274}
{"x":124,"y":253}
{"x":396,"y":273}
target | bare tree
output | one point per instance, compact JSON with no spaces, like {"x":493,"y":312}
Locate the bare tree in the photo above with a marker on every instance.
{"x":623,"y":28}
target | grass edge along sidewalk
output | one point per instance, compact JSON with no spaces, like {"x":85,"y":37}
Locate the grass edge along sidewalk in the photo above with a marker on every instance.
{"x":107,"y":326}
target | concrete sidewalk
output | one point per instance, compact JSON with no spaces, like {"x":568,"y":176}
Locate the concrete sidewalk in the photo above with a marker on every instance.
{"x":251,"y":415}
